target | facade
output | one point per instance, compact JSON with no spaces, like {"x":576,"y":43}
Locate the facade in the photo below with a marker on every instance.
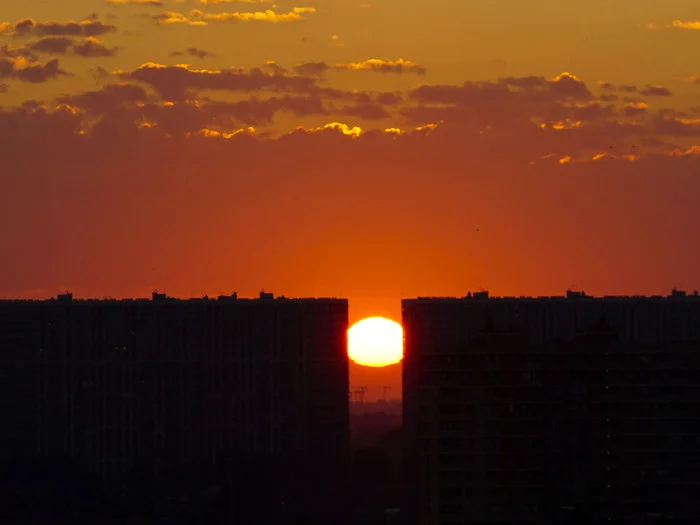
{"x":519,"y":410}
{"x":154,"y":385}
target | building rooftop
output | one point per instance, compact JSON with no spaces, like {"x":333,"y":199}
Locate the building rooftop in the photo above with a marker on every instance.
{"x":570,"y":296}
{"x":162,"y":297}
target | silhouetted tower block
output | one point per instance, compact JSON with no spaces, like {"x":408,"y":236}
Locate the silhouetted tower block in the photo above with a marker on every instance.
{"x":516,"y":407}
{"x":165,"y":386}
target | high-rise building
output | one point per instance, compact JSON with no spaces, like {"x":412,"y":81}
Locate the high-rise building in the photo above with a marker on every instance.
{"x":519,"y":410}
{"x":155,"y":385}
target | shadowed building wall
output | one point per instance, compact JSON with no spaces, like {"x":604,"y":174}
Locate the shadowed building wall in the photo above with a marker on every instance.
{"x":153,"y":386}
{"x":516,"y":408}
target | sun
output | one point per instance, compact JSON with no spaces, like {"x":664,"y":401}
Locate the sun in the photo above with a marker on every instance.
{"x":375,"y":341}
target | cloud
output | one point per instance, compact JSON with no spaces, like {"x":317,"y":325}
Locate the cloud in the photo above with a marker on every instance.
{"x":655,"y":91}
{"x":27,"y":71}
{"x":62,"y":45}
{"x":155,"y":3}
{"x":28,"y":26}
{"x":9,"y":51}
{"x":52,"y":44}
{"x":676,"y":125}
{"x":128,"y":102}
{"x":535,"y":116}
{"x":217,"y":2}
{"x":635,"y":109}
{"x":197,"y":17}
{"x":390,"y":99}
{"x":195,"y":52}
{"x":510,"y":98}
{"x":108,"y":100}
{"x":693,"y":25}
{"x":174,"y":82}
{"x":367,"y":111}
{"x":317,"y":69}
{"x":379,"y":65}
{"x":92,"y":47}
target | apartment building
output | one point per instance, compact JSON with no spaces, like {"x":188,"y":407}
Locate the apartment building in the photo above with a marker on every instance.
{"x":157,"y":384}
{"x":519,"y":410}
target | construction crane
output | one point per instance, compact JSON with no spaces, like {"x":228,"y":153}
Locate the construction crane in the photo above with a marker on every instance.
{"x":386,"y":389}
{"x":359,"y":393}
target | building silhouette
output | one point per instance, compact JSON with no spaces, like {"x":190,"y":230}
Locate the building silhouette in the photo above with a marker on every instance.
{"x":147,"y":389}
{"x":526,"y":410}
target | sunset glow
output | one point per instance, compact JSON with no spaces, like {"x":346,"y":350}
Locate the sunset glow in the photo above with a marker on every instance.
{"x":364,"y":149}
{"x":375,"y":341}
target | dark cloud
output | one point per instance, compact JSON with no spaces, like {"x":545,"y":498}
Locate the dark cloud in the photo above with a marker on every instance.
{"x":63,"y":45}
{"x":512,"y":103}
{"x":195,"y":52}
{"x":676,"y":124}
{"x":317,"y":69}
{"x":655,"y":91}
{"x":9,"y":51}
{"x":88,"y":27}
{"x":132,"y":103}
{"x":109,"y":99}
{"x":367,"y":111}
{"x":92,"y":47}
{"x":52,"y":44}
{"x":533,"y":116}
{"x":34,"y":72}
{"x":175,"y":82}
{"x":390,"y":99}
{"x":379,"y":65}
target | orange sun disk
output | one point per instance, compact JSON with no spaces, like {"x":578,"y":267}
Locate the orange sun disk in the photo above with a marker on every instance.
{"x":375,"y":341}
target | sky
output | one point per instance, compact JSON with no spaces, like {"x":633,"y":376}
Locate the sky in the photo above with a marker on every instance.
{"x":370,"y":149}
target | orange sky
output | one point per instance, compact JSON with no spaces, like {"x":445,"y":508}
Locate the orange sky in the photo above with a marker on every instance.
{"x":519,"y":147}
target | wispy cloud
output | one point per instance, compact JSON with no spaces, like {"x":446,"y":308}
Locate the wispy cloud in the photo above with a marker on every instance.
{"x":195,"y":52}
{"x":61,"y":45}
{"x":217,"y":2}
{"x":379,"y":65}
{"x":693,"y":25}
{"x":154,"y":3}
{"x":198,"y":17}
{"x":28,"y":26}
